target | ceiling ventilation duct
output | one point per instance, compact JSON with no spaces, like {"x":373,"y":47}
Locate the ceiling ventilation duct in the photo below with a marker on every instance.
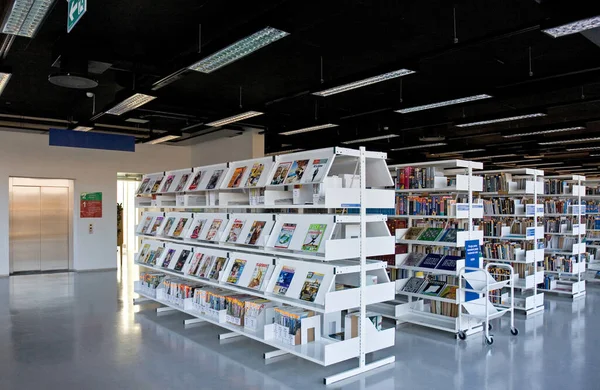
{"x":73,"y":73}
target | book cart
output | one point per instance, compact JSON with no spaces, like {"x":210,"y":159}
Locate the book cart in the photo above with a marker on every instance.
{"x":229,"y":238}
{"x":592,"y":230}
{"x":513,"y":231}
{"x":437,"y":200}
{"x":564,"y":212}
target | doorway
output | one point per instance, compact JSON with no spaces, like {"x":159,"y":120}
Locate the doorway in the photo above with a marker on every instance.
{"x":41,"y":211}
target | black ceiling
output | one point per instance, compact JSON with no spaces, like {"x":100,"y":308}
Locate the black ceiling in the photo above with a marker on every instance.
{"x":331,"y":42}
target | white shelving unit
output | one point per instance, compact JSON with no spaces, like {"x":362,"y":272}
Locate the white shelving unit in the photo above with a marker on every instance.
{"x":519,"y":185}
{"x":195,"y":221}
{"x":568,"y":282}
{"x":456,"y":179}
{"x":592,"y":239}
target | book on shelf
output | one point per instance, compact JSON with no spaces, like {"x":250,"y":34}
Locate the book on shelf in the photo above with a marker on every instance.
{"x":296,"y":172}
{"x":284,"y":280}
{"x":236,"y":229}
{"x":236,"y":271}
{"x":430,"y":234}
{"x":432,"y":288}
{"x":313,"y":238}
{"x":217,"y":266}
{"x":214,"y":179}
{"x":236,"y":177}
{"x":431,"y":260}
{"x":281,"y":173}
{"x":413,"y":233}
{"x":182,"y":259}
{"x":182,"y":182}
{"x":213,"y":229}
{"x":255,"y":173}
{"x":449,"y":235}
{"x":285,"y":235}
{"x":317,"y":170}
{"x":196,"y":181}
{"x":448,"y":263}
{"x":311,"y":286}
{"x":258,"y":276}
{"x":413,"y":259}
{"x":255,"y":232}
{"x":413,"y":285}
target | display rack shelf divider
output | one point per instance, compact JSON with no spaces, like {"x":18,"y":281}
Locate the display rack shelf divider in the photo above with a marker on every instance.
{"x":520,"y":183}
{"x":569,"y":283}
{"x":452,"y":178}
{"x":331,"y":178}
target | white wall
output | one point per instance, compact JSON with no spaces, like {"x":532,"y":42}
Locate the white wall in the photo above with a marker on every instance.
{"x":29,"y":155}
{"x":242,"y":147}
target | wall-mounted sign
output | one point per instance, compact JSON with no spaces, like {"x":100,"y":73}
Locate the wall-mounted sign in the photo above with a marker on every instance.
{"x":90,"y":205}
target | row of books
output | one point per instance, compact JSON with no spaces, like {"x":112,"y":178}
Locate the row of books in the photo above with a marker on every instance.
{"x":431,"y":234}
{"x":504,"y":250}
{"x":429,"y":205}
{"x":547,"y":285}
{"x":592,"y":206}
{"x":504,"y":205}
{"x":415,"y":178}
{"x":151,"y":279}
{"x":556,"y":187}
{"x":430,"y":287}
{"x":592,"y":222}
{"x":560,"y":263}
{"x":558,"y":225}
{"x":444,"y":308}
{"x":561,"y":242}
{"x":563,"y":206}
{"x":431,"y":260}
{"x":500,"y":182}
{"x":494,"y":227}
{"x":291,"y":318}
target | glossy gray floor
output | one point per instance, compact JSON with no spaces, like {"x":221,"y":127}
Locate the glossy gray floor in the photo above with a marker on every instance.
{"x":81,"y":331}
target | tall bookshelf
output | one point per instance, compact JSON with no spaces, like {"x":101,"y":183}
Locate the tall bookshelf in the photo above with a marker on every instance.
{"x":514,"y":231}
{"x":592,"y":231}
{"x":312,"y":297}
{"x":564,"y":212}
{"x":437,"y":194}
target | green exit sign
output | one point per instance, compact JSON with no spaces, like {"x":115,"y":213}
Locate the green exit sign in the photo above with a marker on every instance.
{"x":75,"y":12}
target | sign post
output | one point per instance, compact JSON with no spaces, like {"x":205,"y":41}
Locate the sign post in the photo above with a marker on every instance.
{"x":75,"y":12}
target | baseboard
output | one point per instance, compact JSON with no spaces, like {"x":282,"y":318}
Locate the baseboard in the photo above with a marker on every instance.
{"x":4,"y":276}
{"x":95,"y":270}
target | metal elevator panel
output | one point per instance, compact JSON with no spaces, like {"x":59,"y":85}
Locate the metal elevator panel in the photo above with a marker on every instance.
{"x":25,"y":231}
{"x":54,"y":222}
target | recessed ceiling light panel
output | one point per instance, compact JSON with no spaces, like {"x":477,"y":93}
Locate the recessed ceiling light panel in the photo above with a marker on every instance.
{"x":544,"y":132}
{"x":443,"y":104}
{"x":131,"y":103}
{"x":420,"y":146}
{"x":25,"y":17}
{"x":500,"y":120}
{"x":356,"y":141}
{"x":570,"y":141}
{"x":163,"y":139}
{"x":309,"y":129}
{"x":365,"y":82}
{"x":235,"y":118}
{"x":574,"y":27}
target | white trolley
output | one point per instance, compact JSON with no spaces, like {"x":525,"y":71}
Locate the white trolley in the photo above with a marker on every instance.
{"x":493,"y":302}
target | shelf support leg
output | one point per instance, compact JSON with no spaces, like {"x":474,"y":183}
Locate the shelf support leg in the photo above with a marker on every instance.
{"x":273,"y":354}
{"x":359,"y":370}
{"x":225,"y":336}
{"x":164,"y":309}
{"x":137,"y":301}
{"x":192,"y":321}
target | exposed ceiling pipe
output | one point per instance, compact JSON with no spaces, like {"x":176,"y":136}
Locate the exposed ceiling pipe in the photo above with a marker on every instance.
{"x":34,"y":118}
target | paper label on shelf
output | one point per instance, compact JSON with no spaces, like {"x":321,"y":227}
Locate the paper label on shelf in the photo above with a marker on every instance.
{"x":530,"y":209}
{"x":462,"y":207}
{"x":345,"y":205}
{"x":530,"y":233}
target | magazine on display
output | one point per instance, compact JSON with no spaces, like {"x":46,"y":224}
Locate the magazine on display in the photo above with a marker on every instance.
{"x":285,"y":235}
{"x":217,"y":267}
{"x":281,"y":173}
{"x":236,"y":229}
{"x":236,"y":177}
{"x":156,"y":185}
{"x":146,"y":225}
{"x":205,"y":266}
{"x":310,"y":289}
{"x":284,"y":280}
{"x":196,"y":182}
{"x":148,"y":188}
{"x":258,"y":276}
{"x":214,"y":179}
{"x":197,"y":229}
{"x":214,"y":229}
{"x":168,"y":183}
{"x":168,"y":225}
{"x":296,"y":172}
{"x":255,"y":232}
{"x":143,"y":186}
{"x":317,"y":171}
{"x":236,"y":271}
{"x":182,"y":182}
{"x":144,"y":253}
{"x":254,"y":176}
{"x":149,"y":256}
{"x":313,"y":238}
{"x":157,"y":254}
{"x":156,"y":225}
{"x":168,"y":258}
{"x":182,"y":260}
{"x":180,"y":226}
{"x":195,"y":264}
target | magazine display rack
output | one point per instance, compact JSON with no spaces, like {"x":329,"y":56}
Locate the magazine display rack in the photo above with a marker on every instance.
{"x":438,"y":198}
{"x":514,"y":232}
{"x":564,"y":261}
{"x":309,"y":265}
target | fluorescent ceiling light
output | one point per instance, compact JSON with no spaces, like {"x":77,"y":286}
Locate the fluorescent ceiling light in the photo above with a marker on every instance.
{"x":569,"y":167}
{"x":238,"y":50}
{"x":594,"y":155}
{"x":445,"y":103}
{"x":365,"y":82}
{"x":4,"y":79}
{"x":83,"y":128}
{"x":356,"y":141}
{"x":131,"y":103}
{"x":499,"y":120}
{"x":163,"y":139}
{"x":308,"y":129}
{"x":25,"y":17}
{"x":460,"y":152}
{"x":544,"y":132}
{"x":282,"y":152}
{"x":496,"y":156}
{"x":235,"y":118}
{"x":586,"y":148}
{"x":516,"y":161}
{"x":420,"y":146}
{"x":571,"y":141}
{"x":574,"y":27}
{"x":579,"y":170}
{"x":137,"y":120}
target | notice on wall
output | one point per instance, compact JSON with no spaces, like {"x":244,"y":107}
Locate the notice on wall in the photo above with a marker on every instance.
{"x":90,"y":205}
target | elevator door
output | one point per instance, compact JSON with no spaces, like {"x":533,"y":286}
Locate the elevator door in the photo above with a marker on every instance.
{"x":39,"y":233}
